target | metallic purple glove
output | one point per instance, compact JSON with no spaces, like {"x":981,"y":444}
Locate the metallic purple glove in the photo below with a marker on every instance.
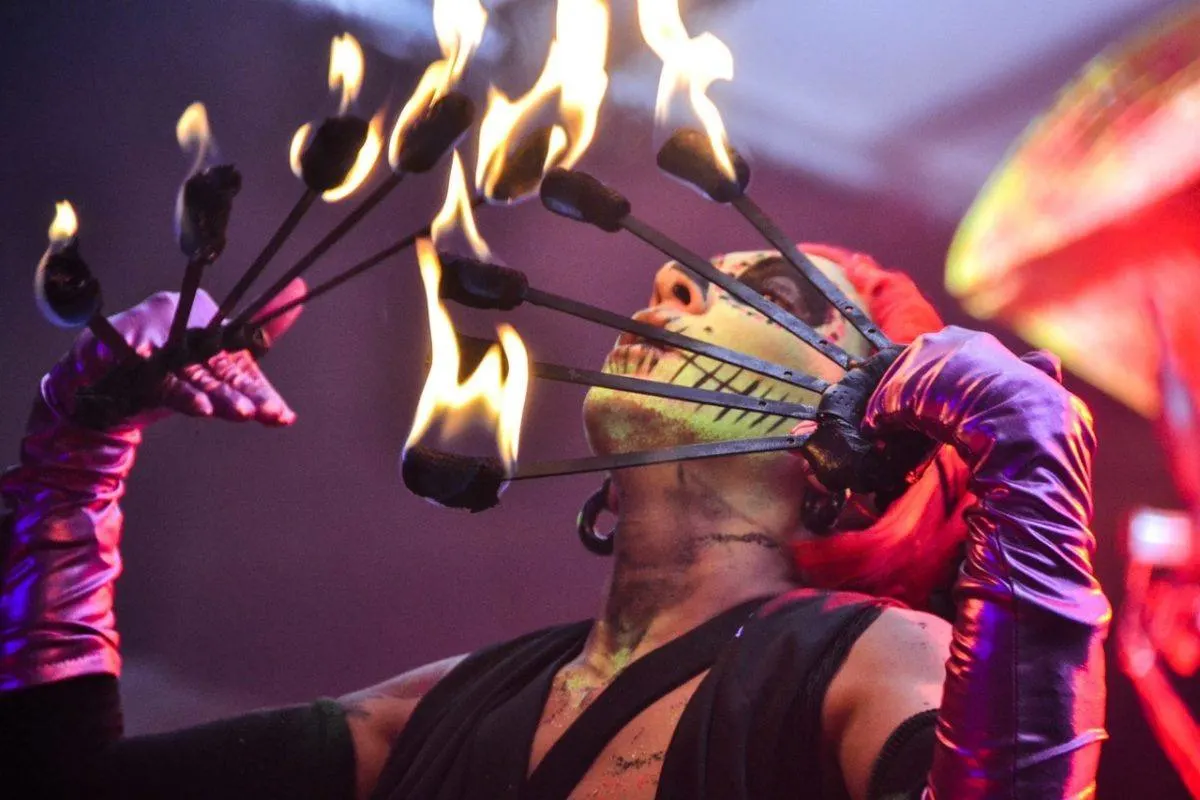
{"x":59,"y":543}
{"x":1023,"y":706}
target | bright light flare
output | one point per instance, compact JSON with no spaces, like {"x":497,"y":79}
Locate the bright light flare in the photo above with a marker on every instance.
{"x":574,"y":69}
{"x":345,"y":69}
{"x":459,"y":25}
{"x":364,"y":162}
{"x":691,"y":64}
{"x":65,"y":224}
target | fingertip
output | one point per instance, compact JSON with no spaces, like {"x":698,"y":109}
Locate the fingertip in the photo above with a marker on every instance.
{"x":201,"y":406}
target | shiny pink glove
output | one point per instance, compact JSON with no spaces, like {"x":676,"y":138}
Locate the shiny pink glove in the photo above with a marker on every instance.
{"x":60,"y":541}
{"x":1023,"y":706}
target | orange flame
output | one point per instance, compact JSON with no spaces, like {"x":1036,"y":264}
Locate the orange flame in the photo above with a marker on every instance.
{"x":193,"y":134}
{"x":364,"y":162}
{"x":501,"y":399}
{"x":65,"y":224}
{"x":345,"y":69}
{"x":690,"y":63}
{"x":574,"y":69}
{"x":459,"y":25}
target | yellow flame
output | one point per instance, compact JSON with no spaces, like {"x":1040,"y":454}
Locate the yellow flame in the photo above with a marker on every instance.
{"x":502,"y":399}
{"x":574,"y":69}
{"x":65,"y":224}
{"x":299,"y":143}
{"x":459,"y":25}
{"x":456,"y":211}
{"x":688,"y":63}
{"x":193,"y":133}
{"x":345,"y":69}
{"x":364,"y":162}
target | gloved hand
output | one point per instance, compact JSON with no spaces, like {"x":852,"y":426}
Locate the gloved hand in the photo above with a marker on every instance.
{"x":59,"y":544}
{"x":1023,"y":706}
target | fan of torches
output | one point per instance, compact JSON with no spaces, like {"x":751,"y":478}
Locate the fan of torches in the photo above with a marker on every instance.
{"x":514,"y":160}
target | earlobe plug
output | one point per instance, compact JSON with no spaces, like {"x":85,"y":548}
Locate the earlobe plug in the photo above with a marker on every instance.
{"x":819,"y":511}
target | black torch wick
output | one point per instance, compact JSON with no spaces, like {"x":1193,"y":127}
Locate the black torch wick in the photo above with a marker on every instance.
{"x":579,"y":196}
{"x":473,"y":348}
{"x":205,"y":204}
{"x":688,"y":155}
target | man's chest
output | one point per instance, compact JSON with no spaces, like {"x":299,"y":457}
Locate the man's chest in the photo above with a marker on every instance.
{"x":630,"y":763}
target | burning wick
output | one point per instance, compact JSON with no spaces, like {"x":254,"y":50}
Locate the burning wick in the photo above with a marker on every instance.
{"x":581,"y":197}
{"x":688,"y":156}
{"x":431,"y":135}
{"x":332,"y":163}
{"x":201,"y":212}
{"x":67,"y":293}
{"x":474,"y":482}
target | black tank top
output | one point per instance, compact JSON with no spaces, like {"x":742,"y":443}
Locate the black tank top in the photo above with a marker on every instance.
{"x":751,"y":730}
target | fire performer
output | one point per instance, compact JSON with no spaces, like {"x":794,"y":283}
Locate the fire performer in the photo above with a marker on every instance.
{"x":735,"y":655}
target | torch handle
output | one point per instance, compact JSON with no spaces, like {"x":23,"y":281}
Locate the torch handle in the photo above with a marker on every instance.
{"x":366,"y":264}
{"x":320,"y":248}
{"x":187,"y":298}
{"x":103,"y":330}
{"x":285,"y":229}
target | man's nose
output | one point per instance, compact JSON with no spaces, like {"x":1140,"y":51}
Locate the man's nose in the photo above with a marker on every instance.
{"x":674,"y":289}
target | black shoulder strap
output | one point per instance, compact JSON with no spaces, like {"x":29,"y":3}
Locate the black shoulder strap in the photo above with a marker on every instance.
{"x":646,"y":680}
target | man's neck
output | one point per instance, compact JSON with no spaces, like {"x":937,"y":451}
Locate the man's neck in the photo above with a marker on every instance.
{"x":686,"y":550}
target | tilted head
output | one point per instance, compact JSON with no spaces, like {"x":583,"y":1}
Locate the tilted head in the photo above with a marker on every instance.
{"x":771,"y":486}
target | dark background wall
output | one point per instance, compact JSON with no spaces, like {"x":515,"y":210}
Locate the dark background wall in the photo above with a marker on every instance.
{"x":271,"y":566}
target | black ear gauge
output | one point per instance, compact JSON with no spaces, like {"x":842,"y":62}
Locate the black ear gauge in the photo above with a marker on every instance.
{"x":819,"y":510}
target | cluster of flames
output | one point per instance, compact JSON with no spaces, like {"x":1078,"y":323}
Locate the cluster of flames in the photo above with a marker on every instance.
{"x":574,"y":77}
{"x":574,"y":74}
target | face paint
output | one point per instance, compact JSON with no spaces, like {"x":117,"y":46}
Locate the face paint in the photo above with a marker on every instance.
{"x":620,"y":421}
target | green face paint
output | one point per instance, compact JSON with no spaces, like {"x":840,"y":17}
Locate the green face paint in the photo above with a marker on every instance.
{"x":621,"y":421}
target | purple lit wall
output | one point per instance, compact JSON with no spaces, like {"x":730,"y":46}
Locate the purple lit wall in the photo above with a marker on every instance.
{"x":267,"y":566}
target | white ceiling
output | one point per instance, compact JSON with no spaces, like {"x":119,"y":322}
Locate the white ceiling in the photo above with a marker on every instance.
{"x":921,"y":98}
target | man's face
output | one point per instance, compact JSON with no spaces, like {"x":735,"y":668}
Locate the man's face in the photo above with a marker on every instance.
{"x":622,"y":421}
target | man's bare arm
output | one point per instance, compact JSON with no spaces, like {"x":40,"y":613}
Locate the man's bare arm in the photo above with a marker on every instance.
{"x":895,"y":670}
{"x":377,"y":715}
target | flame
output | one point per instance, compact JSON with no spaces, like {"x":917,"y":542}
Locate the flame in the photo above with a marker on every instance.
{"x":364,"y":162}
{"x":503,"y":399}
{"x":688,"y":63}
{"x":456,"y":211}
{"x":459,"y":25}
{"x":574,"y":69}
{"x":65,"y":224}
{"x":345,"y":69}
{"x":193,"y":133}
{"x":299,"y":143}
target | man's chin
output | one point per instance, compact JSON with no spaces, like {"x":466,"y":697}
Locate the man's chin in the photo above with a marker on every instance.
{"x":622,"y":422}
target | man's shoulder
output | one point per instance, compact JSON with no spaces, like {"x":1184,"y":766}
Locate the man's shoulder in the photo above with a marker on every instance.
{"x":903,"y":651}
